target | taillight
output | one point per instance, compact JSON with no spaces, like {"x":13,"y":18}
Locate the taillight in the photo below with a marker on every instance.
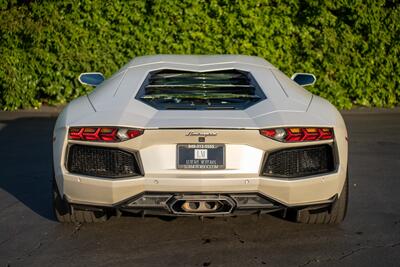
{"x":103,"y":134}
{"x":298,"y":134}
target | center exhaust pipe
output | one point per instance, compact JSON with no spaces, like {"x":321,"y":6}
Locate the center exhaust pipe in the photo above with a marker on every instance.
{"x":200,"y":206}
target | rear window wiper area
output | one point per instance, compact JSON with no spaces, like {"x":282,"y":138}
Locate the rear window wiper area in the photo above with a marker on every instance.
{"x":219,"y":90}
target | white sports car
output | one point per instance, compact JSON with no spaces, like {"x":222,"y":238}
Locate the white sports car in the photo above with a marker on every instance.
{"x":202,"y":136}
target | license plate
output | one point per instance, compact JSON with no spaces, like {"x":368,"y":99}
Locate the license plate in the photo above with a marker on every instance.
{"x":200,"y":156}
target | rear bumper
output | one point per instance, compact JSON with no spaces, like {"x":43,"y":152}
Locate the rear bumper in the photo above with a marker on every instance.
{"x":231,"y":204}
{"x":245,"y":153}
{"x":288,"y":192}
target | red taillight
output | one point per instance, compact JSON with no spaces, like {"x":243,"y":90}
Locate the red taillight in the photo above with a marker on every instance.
{"x":103,"y":134}
{"x":134,"y":133}
{"x":268,"y":132}
{"x":298,"y":134}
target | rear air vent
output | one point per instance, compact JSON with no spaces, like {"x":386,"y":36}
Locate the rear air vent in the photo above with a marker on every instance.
{"x":101,"y":162}
{"x":298,"y":162}
{"x":173,"y":89}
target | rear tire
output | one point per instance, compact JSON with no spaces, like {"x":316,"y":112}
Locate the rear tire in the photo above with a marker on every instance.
{"x":64,"y":213}
{"x":335,"y":215}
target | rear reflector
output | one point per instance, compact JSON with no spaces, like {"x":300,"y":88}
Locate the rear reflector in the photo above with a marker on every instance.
{"x":297,"y":134}
{"x":103,"y":134}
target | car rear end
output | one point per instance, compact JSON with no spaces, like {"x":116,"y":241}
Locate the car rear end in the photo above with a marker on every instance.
{"x":172,"y":162}
{"x":204,"y":151}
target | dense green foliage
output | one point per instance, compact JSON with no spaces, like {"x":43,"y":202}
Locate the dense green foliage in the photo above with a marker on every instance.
{"x":353,"y":46}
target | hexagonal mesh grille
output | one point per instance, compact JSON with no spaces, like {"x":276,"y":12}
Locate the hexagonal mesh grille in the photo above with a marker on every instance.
{"x":299,"y":162}
{"x":101,"y":162}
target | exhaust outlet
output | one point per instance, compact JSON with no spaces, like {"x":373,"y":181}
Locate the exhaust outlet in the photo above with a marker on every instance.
{"x":200,"y":206}
{"x":190,"y":205}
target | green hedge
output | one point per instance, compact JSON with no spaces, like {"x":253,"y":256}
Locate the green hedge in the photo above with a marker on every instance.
{"x":353,"y":46}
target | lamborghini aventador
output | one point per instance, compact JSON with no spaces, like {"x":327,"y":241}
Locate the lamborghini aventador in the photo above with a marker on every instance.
{"x":183,"y":135}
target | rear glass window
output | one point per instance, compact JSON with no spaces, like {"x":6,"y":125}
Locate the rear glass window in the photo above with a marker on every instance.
{"x":173,"y":89}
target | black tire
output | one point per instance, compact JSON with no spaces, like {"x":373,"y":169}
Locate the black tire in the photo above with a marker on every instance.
{"x":335,"y":215}
{"x":64,"y":214}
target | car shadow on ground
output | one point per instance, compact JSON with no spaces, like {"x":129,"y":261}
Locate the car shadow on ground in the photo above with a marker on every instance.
{"x":25,"y":162}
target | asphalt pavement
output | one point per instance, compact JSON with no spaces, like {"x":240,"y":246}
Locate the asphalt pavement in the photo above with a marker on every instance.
{"x":369,"y":236}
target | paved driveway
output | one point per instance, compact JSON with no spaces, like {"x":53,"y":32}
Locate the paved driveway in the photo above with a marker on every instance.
{"x":370,"y":236}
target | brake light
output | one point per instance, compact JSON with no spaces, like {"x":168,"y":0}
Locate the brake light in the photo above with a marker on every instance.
{"x":298,"y":134}
{"x":103,"y":134}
